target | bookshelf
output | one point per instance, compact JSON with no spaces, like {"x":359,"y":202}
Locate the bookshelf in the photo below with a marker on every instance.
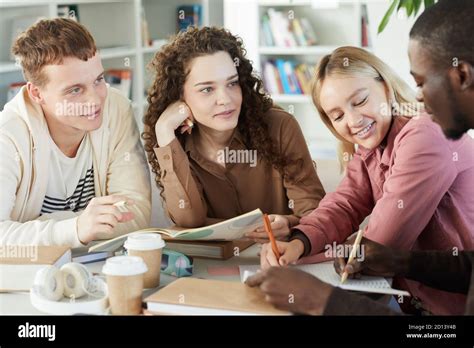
{"x":117,"y":28}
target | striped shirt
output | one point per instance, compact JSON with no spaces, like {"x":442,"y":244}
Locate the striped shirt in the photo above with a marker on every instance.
{"x":71,"y":180}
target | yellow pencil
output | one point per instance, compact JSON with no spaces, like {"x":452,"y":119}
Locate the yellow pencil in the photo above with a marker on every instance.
{"x":352,"y":254}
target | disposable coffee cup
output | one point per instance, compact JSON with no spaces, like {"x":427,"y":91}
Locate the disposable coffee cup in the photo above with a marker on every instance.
{"x":125,"y":284}
{"x":149,"y":247}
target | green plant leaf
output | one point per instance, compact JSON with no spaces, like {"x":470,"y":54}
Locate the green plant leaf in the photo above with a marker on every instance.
{"x":416,"y":6}
{"x":409,"y":7}
{"x":401,"y":4}
{"x":412,"y":7}
{"x":428,"y":3}
{"x":387,"y":15}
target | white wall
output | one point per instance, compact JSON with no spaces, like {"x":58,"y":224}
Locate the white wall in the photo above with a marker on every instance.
{"x":392,"y":44}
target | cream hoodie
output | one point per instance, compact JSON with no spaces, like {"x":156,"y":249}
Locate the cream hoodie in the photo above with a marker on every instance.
{"x":119,"y":168}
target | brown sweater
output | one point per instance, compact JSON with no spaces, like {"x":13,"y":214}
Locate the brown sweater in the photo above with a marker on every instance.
{"x":440,"y":270}
{"x":197,"y":190}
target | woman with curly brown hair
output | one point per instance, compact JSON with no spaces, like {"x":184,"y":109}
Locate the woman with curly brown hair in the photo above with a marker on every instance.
{"x":214,"y":140}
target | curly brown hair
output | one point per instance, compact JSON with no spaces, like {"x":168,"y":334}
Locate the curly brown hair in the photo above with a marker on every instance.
{"x":170,"y":65}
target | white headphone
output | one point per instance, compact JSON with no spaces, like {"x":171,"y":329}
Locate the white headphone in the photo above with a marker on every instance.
{"x":71,"y":280}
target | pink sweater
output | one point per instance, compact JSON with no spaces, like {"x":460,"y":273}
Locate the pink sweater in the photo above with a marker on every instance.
{"x":419,"y":191}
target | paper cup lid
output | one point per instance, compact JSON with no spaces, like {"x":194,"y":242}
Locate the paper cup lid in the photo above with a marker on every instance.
{"x":144,"y":241}
{"x":124,"y":266}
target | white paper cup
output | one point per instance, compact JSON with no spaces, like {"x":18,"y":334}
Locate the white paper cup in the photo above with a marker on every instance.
{"x":149,"y":247}
{"x":125,"y":284}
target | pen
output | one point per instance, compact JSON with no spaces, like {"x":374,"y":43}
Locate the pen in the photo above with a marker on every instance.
{"x":352,"y":254}
{"x":268,"y":228}
{"x":121,"y":205}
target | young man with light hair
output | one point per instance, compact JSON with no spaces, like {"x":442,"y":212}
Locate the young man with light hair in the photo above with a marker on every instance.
{"x":70,"y":149}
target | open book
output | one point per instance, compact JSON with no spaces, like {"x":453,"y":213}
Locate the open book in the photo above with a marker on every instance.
{"x":231,"y":229}
{"x":326,"y":272}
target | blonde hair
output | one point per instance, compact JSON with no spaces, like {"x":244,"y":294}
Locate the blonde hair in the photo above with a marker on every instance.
{"x":351,"y":61}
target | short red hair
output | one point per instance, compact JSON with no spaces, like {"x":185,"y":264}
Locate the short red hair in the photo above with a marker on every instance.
{"x":49,"y":41}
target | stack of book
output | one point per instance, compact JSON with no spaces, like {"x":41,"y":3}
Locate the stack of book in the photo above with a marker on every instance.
{"x":222,"y":240}
{"x":278,"y":29}
{"x":19,"y":264}
{"x":286,"y":77}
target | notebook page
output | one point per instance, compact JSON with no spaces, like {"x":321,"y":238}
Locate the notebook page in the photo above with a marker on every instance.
{"x":326,"y":272}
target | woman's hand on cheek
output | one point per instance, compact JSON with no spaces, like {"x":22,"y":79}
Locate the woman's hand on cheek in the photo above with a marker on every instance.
{"x":174,"y":116}
{"x":189,"y":123}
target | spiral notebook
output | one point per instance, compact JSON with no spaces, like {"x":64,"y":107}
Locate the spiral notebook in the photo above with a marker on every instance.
{"x":326,"y":272}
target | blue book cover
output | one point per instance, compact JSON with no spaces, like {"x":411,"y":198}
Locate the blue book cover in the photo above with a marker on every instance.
{"x":294,"y":84}
{"x":280,"y":64}
{"x":189,"y":15}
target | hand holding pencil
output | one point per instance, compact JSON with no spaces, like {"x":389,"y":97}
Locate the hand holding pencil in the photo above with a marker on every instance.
{"x":352,"y":254}
{"x":378,"y":260}
{"x":278,"y":253}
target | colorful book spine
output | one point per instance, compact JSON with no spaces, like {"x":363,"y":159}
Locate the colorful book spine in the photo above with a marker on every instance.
{"x":287,"y":77}
{"x":308,"y":31}
{"x":267,"y":31}
{"x":120,"y":79}
{"x":298,"y":31}
{"x":279,"y":30}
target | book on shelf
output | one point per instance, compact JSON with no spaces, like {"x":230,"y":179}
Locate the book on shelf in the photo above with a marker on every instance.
{"x":189,"y":15}
{"x":19,"y":264}
{"x":13,"y":89}
{"x":69,"y":11}
{"x":147,"y":41}
{"x":287,"y":77}
{"x":266,"y":31}
{"x":365,"y":33}
{"x":230,"y":230}
{"x":308,"y":32}
{"x":278,"y":29}
{"x":120,"y":79}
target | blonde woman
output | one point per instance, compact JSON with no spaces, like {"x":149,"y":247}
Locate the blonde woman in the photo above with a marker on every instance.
{"x":413,"y":182}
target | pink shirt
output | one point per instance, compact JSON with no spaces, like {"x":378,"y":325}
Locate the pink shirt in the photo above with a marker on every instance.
{"x":419,"y":191}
